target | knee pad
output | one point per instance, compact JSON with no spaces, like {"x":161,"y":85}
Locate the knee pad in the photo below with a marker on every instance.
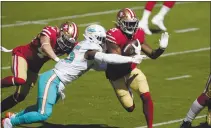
{"x":18,"y":97}
{"x":19,"y":81}
{"x":130,"y":109}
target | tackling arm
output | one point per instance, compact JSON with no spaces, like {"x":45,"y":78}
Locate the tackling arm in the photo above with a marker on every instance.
{"x":47,"y":49}
{"x":112,"y":58}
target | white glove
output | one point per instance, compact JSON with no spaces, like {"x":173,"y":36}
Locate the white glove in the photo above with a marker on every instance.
{"x":3,"y":49}
{"x":56,"y":59}
{"x":137,"y":48}
{"x":164,"y":40}
{"x":138,"y":58}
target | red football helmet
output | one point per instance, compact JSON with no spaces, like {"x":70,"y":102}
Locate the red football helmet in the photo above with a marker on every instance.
{"x":127,"y":20}
{"x":67,"y":36}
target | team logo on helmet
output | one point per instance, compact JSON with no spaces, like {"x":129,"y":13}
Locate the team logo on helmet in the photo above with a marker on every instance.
{"x":67,"y":36}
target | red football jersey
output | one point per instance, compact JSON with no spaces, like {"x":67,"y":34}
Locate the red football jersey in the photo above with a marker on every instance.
{"x":115,"y":35}
{"x":32,"y":52}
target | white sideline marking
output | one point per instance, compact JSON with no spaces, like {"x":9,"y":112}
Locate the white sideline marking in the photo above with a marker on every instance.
{"x":164,"y":55}
{"x":79,"y":16}
{"x":186,"y":30}
{"x":171,"y":122}
{"x":178,"y":77}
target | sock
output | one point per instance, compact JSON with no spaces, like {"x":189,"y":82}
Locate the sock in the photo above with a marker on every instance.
{"x":194,"y":111}
{"x":169,"y":4}
{"x":163,"y":11}
{"x":148,"y":108}
{"x":147,"y":11}
{"x":8,"y":103}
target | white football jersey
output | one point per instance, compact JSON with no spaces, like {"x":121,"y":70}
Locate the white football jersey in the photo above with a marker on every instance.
{"x":75,"y":64}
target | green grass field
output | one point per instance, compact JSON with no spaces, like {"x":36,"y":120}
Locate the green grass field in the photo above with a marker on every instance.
{"x":90,"y":101}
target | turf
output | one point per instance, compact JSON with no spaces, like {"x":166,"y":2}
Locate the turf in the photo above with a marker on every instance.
{"x":91,"y":102}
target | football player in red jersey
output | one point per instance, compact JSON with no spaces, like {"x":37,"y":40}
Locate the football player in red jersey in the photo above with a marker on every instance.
{"x":200,"y":103}
{"x":125,"y":76}
{"x":28,"y":59}
{"x":157,"y":19}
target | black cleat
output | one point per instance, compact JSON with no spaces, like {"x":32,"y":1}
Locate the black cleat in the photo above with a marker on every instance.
{"x":185,"y":124}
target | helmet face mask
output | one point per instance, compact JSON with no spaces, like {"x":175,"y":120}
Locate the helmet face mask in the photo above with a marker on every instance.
{"x":127,"y":21}
{"x":68,"y":36}
{"x":65,"y":43}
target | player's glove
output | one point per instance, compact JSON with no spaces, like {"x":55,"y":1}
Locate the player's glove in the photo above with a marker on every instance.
{"x":56,"y":59}
{"x":138,"y":58}
{"x":164,"y":40}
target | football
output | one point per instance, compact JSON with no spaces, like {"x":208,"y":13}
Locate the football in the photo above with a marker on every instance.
{"x":128,"y":49}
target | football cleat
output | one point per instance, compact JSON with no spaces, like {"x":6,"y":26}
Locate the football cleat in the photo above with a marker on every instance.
{"x":144,"y":25}
{"x":158,"y":20}
{"x":9,"y":115}
{"x":6,"y":123}
{"x":185,"y":124}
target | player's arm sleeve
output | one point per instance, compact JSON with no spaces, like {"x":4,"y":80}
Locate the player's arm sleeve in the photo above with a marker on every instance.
{"x":153,"y":54}
{"x":107,"y":58}
{"x":113,"y":42}
{"x":112,"y":58}
{"x":46,"y":45}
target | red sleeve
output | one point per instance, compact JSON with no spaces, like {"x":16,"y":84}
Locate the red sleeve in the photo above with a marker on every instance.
{"x":49,"y":32}
{"x":112,"y":36}
{"x":140,"y":35}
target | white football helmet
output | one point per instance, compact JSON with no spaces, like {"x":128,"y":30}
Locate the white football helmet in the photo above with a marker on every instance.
{"x":95,"y":34}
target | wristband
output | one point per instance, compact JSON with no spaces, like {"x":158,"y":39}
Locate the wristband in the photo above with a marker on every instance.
{"x":56,"y":59}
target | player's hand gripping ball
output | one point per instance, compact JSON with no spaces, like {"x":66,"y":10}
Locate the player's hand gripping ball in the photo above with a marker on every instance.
{"x":132,"y":48}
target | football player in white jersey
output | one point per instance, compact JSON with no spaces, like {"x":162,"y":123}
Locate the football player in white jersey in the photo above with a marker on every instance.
{"x":86,"y":54}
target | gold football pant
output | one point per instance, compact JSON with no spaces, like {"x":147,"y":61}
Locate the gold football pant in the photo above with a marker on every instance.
{"x":136,"y":80}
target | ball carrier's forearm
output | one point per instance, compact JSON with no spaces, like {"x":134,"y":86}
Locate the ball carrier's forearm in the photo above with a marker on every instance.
{"x":153,"y":54}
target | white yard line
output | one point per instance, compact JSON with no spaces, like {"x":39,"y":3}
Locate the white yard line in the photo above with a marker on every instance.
{"x":170,"y":122}
{"x":178,"y":77}
{"x":186,"y":30}
{"x":78,"y":16}
{"x":164,"y":55}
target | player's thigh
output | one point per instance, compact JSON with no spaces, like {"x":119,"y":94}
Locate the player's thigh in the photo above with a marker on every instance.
{"x":122,"y":92}
{"x":138,"y":82}
{"x":48,"y":88}
{"x":19,"y":67}
{"x":30,"y":82}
